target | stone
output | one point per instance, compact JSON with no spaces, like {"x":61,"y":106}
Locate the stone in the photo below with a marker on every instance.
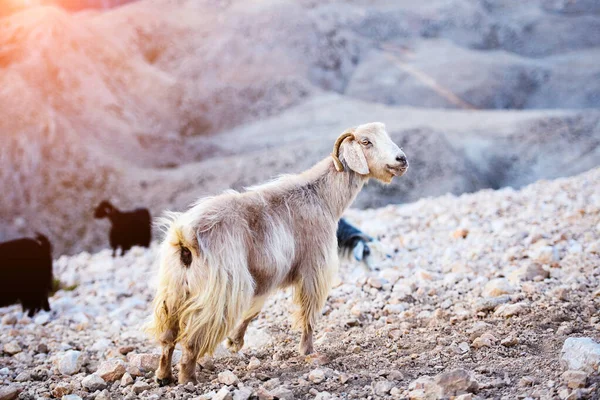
{"x":574,"y":379}
{"x":581,"y":354}
{"x":283,"y":393}
{"x":139,"y":387}
{"x":510,"y":341}
{"x":528,"y":273}
{"x":316,"y":376}
{"x":490,"y":303}
{"x":42,"y":319}
{"x":9,"y":392}
{"x":497,"y":287}
{"x":9,"y":319}
{"x":23,"y":377}
{"x":127,"y":379}
{"x":41,"y":348}
{"x":376,"y":283}
{"x":111,"y":370}
{"x":227,"y":378}
{"x":485,"y":340}
{"x":510,"y":310}
{"x":12,"y":348}
{"x":144,"y":362}
{"x":71,"y":397}
{"x":382,"y":388}
{"x":70,"y":362}
{"x":126,"y":349}
{"x":456,"y":382}
{"x":242,"y":393}
{"x":93,"y":382}
{"x":61,"y":389}
{"x":223,"y":394}
{"x":542,"y":254}
{"x":253,"y":364}
{"x":264,"y":394}
{"x":460,"y":234}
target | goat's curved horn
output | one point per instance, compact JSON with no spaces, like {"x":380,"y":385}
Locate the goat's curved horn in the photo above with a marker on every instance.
{"x":336,"y":149}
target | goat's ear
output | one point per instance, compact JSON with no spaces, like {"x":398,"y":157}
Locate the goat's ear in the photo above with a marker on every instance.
{"x":355,"y":158}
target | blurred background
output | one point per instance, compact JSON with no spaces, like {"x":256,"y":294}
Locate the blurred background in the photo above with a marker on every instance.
{"x":156,"y":102}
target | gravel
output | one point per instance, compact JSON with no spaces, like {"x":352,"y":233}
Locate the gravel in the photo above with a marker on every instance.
{"x":471,"y":316}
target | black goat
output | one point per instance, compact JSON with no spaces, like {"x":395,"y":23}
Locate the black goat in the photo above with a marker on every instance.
{"x":352,"y":239}
{"x":129,"y":228}
{"x":26,"y":273}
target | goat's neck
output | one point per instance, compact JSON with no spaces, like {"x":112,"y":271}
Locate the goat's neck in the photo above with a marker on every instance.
{"x":337,"y":189}
{"x":114,"y":216}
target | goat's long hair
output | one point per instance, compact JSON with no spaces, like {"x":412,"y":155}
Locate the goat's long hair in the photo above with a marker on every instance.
{"x":201,"y":301}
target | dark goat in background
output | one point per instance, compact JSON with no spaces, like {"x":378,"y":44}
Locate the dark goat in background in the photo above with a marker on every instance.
{"x":26,"y":273}
{"x":129,"y":228}
{"x":353,"y":240}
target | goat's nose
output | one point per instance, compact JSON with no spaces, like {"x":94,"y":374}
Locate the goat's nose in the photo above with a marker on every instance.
{"x":402,"y":160}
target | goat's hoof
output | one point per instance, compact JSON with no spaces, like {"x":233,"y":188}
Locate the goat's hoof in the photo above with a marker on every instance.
{"x":307,"y":350}
{"x":167,"y":380}
{"x":234,"y":345}
{"x":187,"y":379}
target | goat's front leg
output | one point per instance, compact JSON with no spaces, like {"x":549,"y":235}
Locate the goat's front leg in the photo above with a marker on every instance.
{"x":164,"y":373}
{"x":187,"y":365}
{"x":235,"y":341}
{"x":310,"y":295}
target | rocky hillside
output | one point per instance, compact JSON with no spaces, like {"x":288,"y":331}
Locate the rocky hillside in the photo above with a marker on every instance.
{"x":157,"y":102}
{"x":487,"y":295}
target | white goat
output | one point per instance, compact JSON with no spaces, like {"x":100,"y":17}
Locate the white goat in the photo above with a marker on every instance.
{"x":222,"y":258}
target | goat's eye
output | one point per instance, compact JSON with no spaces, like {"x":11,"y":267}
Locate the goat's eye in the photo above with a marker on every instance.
{"x":365,"y":142}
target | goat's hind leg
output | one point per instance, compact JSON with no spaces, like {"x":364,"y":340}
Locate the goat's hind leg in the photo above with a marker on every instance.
{"x":235,"y":341}
{"x":164,"y":373}
{"x":187,"y":365}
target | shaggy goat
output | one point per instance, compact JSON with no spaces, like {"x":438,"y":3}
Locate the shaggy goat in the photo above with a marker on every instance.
{"x":26,"y":273}
{"x":222,"y":258}
{"x":352,"y":240}
{"x":129,"y":228}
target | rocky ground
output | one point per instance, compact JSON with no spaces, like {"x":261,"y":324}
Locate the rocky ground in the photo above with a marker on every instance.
{"x":487,"y":295}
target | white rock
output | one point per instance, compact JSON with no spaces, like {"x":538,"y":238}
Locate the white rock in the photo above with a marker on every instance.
{"x":254,"y":363}
{"x":223,"y":394}
{"x":542,"y":254}
{"x":511,"y":310}
{"x":581,"y":354}
{"x":227,"y":378}
{"x":93,"y":382}
{"x":42,"y":318}
{"x":382,"y":388}
{"x":242,"y":393}
{"x":316,"y":376}
{"x":497,"y":287}
{"x":70,"y":363}
{"x":71,"y":397}
{"x":127,"y":379}
{"x":140,"y":386}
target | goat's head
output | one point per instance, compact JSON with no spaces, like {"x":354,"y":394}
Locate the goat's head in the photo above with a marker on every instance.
{"x":104,"y":209}
{"x":368,"y":150}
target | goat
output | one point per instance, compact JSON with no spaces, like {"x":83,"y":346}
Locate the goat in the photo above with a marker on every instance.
{"x":26,"y":273}
{"x":129,"y":228}
{"x":352,"y":240}
{"x":222,"y":258}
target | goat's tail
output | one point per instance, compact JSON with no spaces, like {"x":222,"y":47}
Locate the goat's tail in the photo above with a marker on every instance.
{"x":44,"y":242}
